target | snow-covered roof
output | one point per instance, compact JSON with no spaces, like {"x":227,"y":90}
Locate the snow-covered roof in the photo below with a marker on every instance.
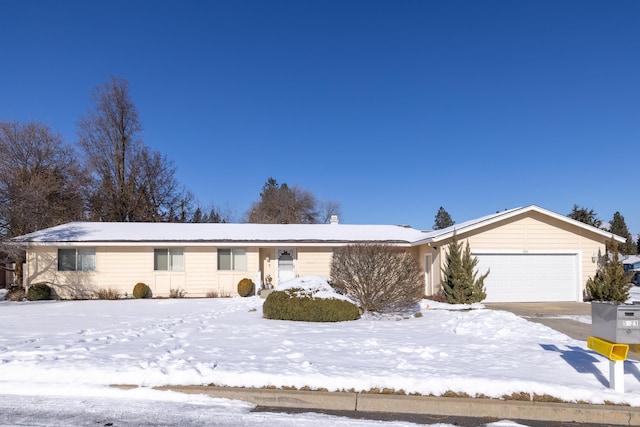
{"x":631,"y":259}
{"x":141,"y":233}
{"x":208,"y":233}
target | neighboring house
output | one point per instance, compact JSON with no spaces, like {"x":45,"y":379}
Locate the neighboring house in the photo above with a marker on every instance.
{"x":533,"y":254}
{"x":632,"y":264}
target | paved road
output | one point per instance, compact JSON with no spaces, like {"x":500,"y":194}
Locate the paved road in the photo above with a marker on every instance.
{"x":427,"y":419}
{"x":556,"y":316}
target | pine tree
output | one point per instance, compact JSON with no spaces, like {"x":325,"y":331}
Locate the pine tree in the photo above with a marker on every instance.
{"x":588,"y":216}
{"x":618,"y":226}
{"x":610,"y":283}
{"x":443,"y":219}
{"x":460,"y":281}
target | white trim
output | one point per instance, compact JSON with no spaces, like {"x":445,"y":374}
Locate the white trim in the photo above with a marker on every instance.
{"x":428,"y":274}
{"x":526,"y":252}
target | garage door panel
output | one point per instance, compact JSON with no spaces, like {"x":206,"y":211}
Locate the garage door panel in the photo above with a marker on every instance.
{"x":530,"y":277}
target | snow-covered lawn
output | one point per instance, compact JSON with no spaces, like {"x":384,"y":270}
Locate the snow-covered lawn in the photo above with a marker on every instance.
{"x":79,"y":348}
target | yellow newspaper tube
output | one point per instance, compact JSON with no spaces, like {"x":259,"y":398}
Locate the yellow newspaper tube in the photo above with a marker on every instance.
{"x":611,"y":350}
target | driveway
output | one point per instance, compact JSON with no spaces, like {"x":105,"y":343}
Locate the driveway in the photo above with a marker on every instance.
{"x":564,"y":317}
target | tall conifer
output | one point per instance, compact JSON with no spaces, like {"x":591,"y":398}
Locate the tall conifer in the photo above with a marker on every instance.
{"x":460,"y":281}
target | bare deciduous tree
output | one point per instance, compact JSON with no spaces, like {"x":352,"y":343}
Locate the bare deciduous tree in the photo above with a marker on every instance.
{"x":110,"y":136}
{"x":131,"y":182}
{"x":41,"y":182}
{"x":327,"y":209}
{"x":380,"y":277}
{"x":159,"y":194}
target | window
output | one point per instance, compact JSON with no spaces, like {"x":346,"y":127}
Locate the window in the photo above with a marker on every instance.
{"x":232,"y":259}
{"x":168,"y":259}
{"x":81,"y":259}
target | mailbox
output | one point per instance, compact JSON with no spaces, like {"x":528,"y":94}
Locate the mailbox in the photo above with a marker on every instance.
{"x":618,"y":323}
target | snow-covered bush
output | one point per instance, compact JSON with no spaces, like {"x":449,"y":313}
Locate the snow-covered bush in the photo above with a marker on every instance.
{"x":380,"y":278}
{"x":309,"y":299}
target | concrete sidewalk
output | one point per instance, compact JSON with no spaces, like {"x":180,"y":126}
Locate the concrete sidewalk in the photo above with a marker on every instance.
{"x":403,"y":404}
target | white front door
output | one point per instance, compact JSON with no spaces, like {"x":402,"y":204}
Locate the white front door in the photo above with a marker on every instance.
{"x":285,"y":268}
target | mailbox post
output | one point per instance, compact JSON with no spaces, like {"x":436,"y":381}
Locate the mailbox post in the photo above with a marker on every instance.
{"x":614,"y":327}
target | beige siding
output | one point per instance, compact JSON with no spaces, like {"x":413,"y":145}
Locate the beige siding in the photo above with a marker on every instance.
{"x":121,"y":268}
{"x":533,"y":233}
{"x":314,"y":261}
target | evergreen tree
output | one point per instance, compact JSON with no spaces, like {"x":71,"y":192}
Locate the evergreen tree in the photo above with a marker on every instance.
{"x":588,"y":216}
{"x":618,"y":226}
{"x":460,"y":281}
{"x":610,"y":283}
{"x":443,"y":219}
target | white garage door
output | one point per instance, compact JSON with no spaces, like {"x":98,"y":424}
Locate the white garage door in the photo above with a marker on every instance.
{"x":530,"y":277}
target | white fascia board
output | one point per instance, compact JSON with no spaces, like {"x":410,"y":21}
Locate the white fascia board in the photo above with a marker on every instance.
{"x":528,"y":252}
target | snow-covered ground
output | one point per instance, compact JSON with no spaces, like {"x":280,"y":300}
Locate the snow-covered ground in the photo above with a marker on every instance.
{"x":65,"y":354}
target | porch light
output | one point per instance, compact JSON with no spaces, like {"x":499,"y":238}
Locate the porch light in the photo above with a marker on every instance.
{"x":594,"y":258}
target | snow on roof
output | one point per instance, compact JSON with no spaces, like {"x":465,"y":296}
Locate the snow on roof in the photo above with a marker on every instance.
{"x":631,"y":259}
{"x":132,"y":232}
{"x":206,"y":233}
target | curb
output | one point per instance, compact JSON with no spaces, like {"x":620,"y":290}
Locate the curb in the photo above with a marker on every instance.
{"x":405,"y":404}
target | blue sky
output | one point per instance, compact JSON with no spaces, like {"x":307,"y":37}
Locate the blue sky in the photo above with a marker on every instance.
{"x":392,"y":108}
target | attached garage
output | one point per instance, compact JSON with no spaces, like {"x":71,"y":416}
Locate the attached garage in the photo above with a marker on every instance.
{"x":529,"y":277}
{"x":534,"y":255}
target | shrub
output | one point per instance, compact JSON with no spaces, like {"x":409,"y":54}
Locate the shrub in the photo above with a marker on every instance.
{"x":212,"y":294}
{"x":440,"y":296}
{"x":107,"y":293}
{"x":39,"y":291}
{"x":141,"y":290}
{"x":16,"y":294}
{"x":245,"y":287}
{"x":293,"y":304}
{"x":610,"y":283}
{"x":177,"y":293}
{"x":380,"y":278}
{"x":460,"y":282}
